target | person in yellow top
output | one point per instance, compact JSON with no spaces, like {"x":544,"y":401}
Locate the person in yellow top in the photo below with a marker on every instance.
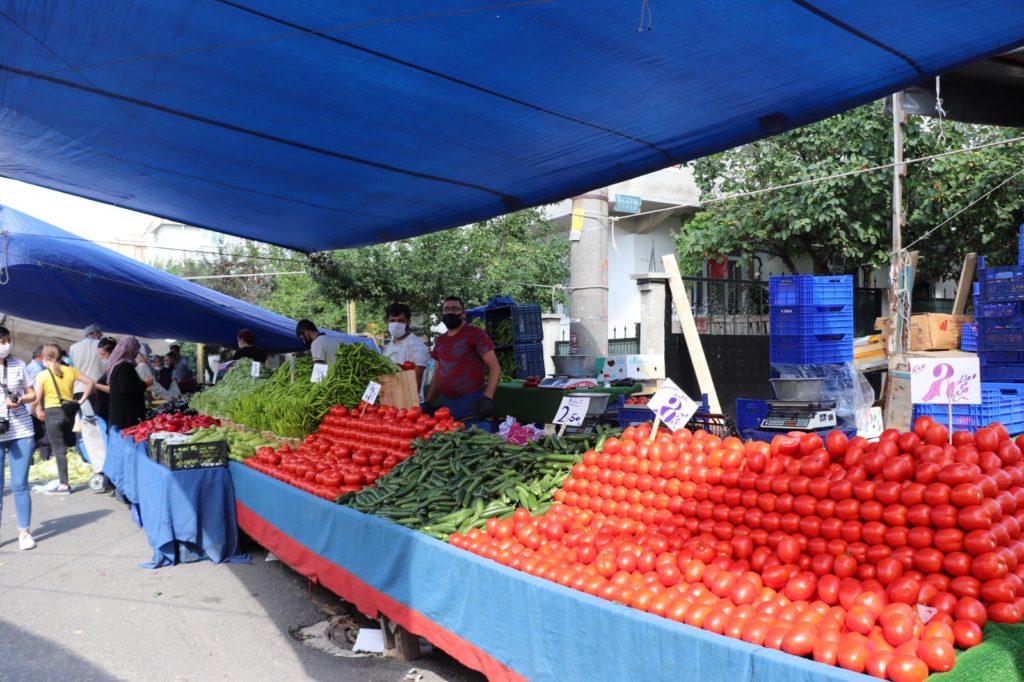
{"x":54,"y":384}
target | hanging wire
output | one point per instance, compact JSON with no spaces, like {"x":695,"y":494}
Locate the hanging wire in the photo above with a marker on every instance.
{"x":5,"y":275}
{"x":645,"y":13}
{"x":938,"y":106}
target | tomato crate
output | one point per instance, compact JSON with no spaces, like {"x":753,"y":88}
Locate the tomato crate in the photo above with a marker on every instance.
{"x":529,"y":359}
{"x":628,"y":415}
{"x":810,"y":290}
{"x":810,"y":319}
{"x":749,"y":413}
{"x":969,"y":337}
{"x":1000,"y":402}
{"x":1000,"y":334}
{"x":183,"y":456}
{"x":720,"y":425}
{"x":1004,"y":283}
{"x":811,"y":349}
{"x":526,"y":322}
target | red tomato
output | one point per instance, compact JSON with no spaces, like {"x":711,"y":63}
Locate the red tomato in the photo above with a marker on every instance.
{"x":800,"y":639}
{"x":1002,"y":612}
{"x":907,"y":668}
{"x":837,"y":444}
{"x":987,"y":439}
{"x":967,"y":633}
{"x":969,"y":608}
{"x":853,"y":656}
{"x":811,"y":442}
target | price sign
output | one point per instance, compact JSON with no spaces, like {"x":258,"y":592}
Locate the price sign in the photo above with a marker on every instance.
{"x":371,"y":392}
{"x":319,"y":372}
{"x":672,"y":406}
{"x":572,"y":411}
{"x":254,"y":370}
{"x":926,"y":612}
{"x":943,"y":381}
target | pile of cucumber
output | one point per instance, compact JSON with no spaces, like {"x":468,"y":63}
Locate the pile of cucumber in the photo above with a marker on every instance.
{"x":241,"y":444}
{"x":458,"y":480}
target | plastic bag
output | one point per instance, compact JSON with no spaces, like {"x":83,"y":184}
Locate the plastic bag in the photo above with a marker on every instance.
{"x":843,"y":383}
{"x":518,"y":434}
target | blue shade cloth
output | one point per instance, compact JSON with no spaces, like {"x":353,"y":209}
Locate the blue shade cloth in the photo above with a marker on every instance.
{"x":539,"y":629}
{"x":196,"y":506}
{"x":325,"y":124}
{"x":58,"y":278}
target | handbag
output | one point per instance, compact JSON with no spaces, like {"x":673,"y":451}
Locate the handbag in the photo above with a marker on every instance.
{"x":70,"y":407}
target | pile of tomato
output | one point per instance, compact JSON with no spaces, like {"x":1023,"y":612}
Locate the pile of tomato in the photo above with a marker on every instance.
{"x":176,"y":423}
{"x":351,"y":449}
{"x":877,"y":557}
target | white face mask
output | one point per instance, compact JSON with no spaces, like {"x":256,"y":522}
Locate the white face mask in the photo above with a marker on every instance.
{"x":397,"y":329}
{"x":5,"y":350}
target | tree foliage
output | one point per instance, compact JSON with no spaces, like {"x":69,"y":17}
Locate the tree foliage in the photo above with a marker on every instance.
{"x":847,"y":221}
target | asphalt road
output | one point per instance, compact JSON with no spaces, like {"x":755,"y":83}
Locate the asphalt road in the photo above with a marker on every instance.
{"x":79,"y":607}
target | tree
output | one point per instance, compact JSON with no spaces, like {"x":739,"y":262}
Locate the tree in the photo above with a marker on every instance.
{"x":848,"y":220}
{"x":508,"y":255}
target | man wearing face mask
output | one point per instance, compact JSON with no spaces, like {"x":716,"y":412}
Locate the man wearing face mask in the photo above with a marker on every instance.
{"x":322,"y":347}
{"x":85,"y":357}
{"x":404,"y":345}
{"x":463,"y":354}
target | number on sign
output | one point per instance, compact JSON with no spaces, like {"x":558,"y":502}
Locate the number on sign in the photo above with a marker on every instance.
{"x":672,"y":406}
{"x":572,"y":411}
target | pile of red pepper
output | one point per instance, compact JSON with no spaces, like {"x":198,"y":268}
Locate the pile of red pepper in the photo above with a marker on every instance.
{"x":177,"y":423}
{"x":352,"y":448}
{"x":637,"y":400}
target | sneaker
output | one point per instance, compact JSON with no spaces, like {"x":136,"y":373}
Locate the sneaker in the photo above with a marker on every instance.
{"x":60,"y":490}
{"x":25,"y":541}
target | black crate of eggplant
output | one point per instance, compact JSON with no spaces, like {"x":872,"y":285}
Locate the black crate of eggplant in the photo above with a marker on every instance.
{"x":184,"y":456}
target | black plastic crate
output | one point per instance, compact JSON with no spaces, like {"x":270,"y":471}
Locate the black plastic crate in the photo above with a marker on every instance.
{"x":720,"y":425}
{"x":529,"y":359}
{"x":183,"y":456}
{"x":525,"y":324}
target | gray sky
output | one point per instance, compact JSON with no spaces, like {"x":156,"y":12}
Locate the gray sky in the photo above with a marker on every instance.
{"x":89,"y":219}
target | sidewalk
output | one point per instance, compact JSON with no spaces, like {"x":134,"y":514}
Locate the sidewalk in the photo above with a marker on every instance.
{"x":79,"y":607}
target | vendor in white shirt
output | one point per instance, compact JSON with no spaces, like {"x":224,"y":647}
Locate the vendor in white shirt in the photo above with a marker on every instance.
{"x":322,"y":347}
{"x":404,"y":345}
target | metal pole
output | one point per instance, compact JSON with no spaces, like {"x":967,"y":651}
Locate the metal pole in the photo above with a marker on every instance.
{"x":900,"y":330}
{"x":588,"y":264}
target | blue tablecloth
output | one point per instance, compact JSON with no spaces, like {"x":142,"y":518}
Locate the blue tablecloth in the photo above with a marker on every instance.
{"x":507,"y":623}
{"x":195,"y":506}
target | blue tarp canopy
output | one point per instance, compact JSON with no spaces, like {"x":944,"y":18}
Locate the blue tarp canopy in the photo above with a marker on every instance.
{"x":56,"y":277}
{"x":325,"y":124}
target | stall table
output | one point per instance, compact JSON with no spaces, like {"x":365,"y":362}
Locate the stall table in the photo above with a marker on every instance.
{"x":538,"y":405}
{"x":505,"y":623}
{"x":194,"y":506}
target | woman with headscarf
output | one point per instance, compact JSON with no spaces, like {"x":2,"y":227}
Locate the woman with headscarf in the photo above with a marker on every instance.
{"x":127,"y":391}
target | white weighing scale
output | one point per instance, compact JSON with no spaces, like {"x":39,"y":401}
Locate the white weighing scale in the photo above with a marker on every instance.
{"x":799,"y":415}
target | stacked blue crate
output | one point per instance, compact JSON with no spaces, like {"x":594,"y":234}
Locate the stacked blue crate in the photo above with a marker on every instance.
{"x":999,"y":316}
{"x":527,"y":336}
{"x":1000,"y":402}
{"x":810,"y":320}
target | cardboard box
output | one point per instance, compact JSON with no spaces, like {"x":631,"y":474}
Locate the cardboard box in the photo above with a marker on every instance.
{"x":398,"y":390}
{"x":931,"y":331}
{"x":633,"y":367}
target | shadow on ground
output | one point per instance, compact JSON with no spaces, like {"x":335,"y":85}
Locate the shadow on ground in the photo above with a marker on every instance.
{"x":49,"y":661}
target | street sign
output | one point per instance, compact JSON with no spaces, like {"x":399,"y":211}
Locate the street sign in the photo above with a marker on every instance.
{"x":627,"y":203}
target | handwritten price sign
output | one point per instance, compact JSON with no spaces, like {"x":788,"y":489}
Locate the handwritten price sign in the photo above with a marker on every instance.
{"x":319,"y":372}
{"x":371,"y":393}
{"x":944,"y":381}
{"x":572,"y":411}
{"x":254,"y":369}
{"x":672,"y":406}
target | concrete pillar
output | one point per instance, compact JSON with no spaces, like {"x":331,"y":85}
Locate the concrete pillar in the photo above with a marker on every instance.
{"x":588,"y":265}
{"x":552,"y":326}
{"x":652,"y":311}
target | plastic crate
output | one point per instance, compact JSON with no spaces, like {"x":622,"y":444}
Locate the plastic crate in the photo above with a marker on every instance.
{"x":969,"y":337}
{"x":720,"y":425}
{"x":182,"y":456}
{"x":810,"y":319}
{"x":749,"y":413}
{"x":526,"y":322}
{"x":1002,"y":283}
{"x":529,"y":359}
{"x":811,"y":349}
{"x":983,"y":308}
{"x":1020,"y":246}
{"x":628,"y":415}
{"x":1000,"y":334}
{"x":810,"y":290}
{"x":1000,"y":402}
{"x":1002,"y":371}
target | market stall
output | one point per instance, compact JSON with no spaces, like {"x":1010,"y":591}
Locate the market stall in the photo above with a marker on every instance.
{"x":537,"y":405}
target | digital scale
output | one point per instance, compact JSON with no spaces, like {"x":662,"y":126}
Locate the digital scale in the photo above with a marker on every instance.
{"x":799,"y":415}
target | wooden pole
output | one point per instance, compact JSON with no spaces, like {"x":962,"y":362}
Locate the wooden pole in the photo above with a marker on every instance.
{"x":689,"y":326}
{"x":963,"y":288}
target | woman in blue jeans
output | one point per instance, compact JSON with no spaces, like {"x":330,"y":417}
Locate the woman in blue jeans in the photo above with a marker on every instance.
{"x":17,"y":434}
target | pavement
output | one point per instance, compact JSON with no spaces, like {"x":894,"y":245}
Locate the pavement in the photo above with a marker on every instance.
{"x":78,"y":606}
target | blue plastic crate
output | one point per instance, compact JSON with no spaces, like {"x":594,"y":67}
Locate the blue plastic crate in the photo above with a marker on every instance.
{"x":749,"y":413}
{"x":969,"y":337}
{"x":1002,"y":371}
{"x":1001,"y":356}
{"x":1020,"y":246}
{"x":529,"y":359}
{"x":1000,"y":402}
{"x":1002,"y":283}
{"x":811,"y":349}
{"x":1000,"y":334}
{"x":526,"y":321}
{"x":983,"y":308}
{"x":628,"y":415}
{"x":810,"y":319}
{"x":810,"y":290}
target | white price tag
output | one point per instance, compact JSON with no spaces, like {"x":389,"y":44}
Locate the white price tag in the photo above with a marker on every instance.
{"x":371,"y":392}
{"x":673,"y":406}
{"x":319,"y":372}
{"x":926,"y":612}
{"x":572,"y":411}
{"x":254,"y":370}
